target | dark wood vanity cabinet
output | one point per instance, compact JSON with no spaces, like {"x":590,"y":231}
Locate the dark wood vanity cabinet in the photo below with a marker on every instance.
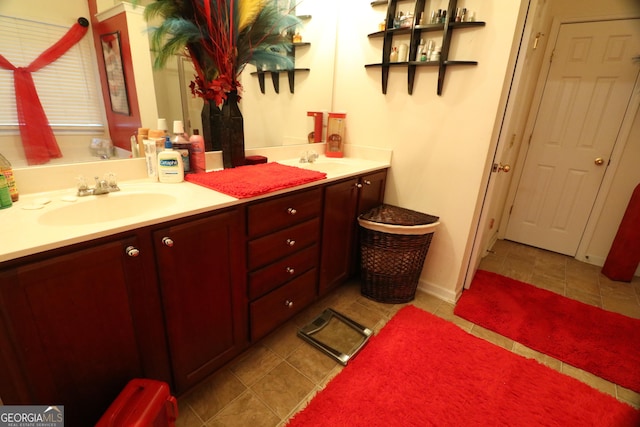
{"x":282,"y":257}
{"x":202,"y":282}
{"x":174,"y":301}
{"x":343,"y":202}
{"x":77,"y":325}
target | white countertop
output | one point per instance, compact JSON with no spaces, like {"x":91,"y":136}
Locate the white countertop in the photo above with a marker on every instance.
{"x":23,"y":232}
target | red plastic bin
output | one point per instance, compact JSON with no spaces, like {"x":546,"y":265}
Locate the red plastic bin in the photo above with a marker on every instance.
{"x":142,"y":403}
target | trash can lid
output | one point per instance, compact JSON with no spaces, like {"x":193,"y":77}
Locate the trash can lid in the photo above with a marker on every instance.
{"x":395,"y":215}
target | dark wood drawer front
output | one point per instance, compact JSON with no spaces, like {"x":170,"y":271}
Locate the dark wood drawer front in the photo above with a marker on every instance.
{"x":269,"y":248}
{"x":270,"y":277}
{"x":272,"y":310}
{"x":283,"y":212}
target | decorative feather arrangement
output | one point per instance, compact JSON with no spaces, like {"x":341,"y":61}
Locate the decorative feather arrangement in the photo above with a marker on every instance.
{"x":221,"y":37}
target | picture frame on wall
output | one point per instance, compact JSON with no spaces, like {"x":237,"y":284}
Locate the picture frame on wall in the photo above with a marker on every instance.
{"x":116,"y":82}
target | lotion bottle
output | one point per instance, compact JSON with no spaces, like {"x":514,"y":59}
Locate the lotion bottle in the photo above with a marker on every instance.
{"x":170,"y":167}
{"x":197,"y":152}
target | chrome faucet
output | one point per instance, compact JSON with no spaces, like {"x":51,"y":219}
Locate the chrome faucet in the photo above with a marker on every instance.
{"x":103,"y":186}
{"x":308,"y":157}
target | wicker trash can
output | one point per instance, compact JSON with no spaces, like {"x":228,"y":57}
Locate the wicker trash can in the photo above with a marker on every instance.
{"x":394,"y":242}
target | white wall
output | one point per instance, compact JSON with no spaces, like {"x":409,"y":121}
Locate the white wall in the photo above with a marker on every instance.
{"x":440,"y":143}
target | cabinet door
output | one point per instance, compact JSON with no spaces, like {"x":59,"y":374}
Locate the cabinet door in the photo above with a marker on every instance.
{"x":372,"y":191}
{"x":201,"y":269}
{"x":340,"y":204}
{"x":70,"y":322}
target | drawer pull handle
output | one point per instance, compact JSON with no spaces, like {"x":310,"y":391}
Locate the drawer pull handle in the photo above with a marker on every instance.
{"x":292,"y":211}
{"x":132,"y":251}
{"x":288,"y":303}
{"x":290,"y":270}
{"x":291,"y":242}
{"x":167,"y":241}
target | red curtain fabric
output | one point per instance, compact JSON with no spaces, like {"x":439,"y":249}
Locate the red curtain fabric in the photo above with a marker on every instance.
{"x":37,"y":137}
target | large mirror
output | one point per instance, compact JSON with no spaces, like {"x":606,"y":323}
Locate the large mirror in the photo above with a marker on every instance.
{"x":271,"y":119}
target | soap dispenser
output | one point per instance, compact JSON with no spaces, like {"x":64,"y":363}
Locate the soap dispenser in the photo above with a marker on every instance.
{"x":170,"y":166}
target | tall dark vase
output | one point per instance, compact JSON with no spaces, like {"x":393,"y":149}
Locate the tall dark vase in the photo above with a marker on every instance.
{"x":223,"y":129}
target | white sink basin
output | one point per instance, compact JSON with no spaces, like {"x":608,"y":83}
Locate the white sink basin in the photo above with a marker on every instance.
{"x":324,"y":164}
{"x":108,"y":207}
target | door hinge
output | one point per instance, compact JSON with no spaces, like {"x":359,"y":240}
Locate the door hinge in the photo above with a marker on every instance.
{"x":510,"y":209}
{"x":551,"y":58}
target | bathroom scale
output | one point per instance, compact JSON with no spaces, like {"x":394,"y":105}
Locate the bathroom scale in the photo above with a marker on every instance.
{"x":335,"y":335}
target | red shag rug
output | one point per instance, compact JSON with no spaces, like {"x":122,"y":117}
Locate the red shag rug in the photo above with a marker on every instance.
{"x":598,"y":341}
{"x":254,"y":180}
{"x":421,"y":370}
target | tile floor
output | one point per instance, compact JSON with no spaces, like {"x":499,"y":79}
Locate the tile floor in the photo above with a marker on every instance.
{"x":280,"y":374}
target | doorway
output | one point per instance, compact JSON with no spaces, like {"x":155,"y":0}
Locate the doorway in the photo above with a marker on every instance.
{"x":541,"y":27}
{"x":586,"y":94}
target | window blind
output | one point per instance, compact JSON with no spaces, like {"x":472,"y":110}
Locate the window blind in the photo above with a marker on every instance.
{"x":68,"y":87}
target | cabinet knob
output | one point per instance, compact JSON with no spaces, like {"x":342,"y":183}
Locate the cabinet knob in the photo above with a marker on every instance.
{"x":132,"y":251}
{"x":290,"y":270}
{"x":358,"y":185}
{"x":291,"y":242}
{"x":288,"y":303}
{"x":167,"y":241}
{"x":367,"y":182}
{"x":292,"y":211}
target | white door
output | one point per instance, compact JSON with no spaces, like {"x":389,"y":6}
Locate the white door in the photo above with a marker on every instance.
{"x":588,"y":88}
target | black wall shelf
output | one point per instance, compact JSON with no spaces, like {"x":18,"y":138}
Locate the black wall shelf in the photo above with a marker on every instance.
{"x":291,"y":74}
{"x":415,"y":34}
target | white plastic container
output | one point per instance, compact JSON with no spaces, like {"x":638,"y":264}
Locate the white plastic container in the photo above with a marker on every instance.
{"x":170,"y":167}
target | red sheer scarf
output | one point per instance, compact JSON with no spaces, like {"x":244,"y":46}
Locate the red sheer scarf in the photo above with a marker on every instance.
{"x":37,"y":137}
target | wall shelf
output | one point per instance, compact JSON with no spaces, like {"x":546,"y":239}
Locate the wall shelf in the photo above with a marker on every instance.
{"x":291,"y":74}
{"x":415,"y":32}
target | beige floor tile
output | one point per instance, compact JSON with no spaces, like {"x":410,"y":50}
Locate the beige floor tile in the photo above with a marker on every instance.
{"x":616,"y":289}
{"x":584,"y":297}
{"x":445,"y":311}
{"x":187,"y":417}
{"x":245,"y":411}
{"x":550,"y":283}
{"x":214,"y":394}
{"x":590,"y":379}
{"x":540,"y":357}
{"x":283,"y":388}
{"x":518,"y":269}
{"x":625,"y":306}
{"x":363,"y":315}
{"x":552,"y":264}
{"x":427,"y":302}
{"x":629,"y":396}
{"x":311,"y":362}
{"x":585,"y":284}
{"x":284,"y":340}
{"x":492,"y":263}
{"x":255,"y":363}
{"x":492,"y":337}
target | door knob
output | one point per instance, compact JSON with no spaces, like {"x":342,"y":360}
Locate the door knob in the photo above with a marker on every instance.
{"x":497,"y":167}
{"x":167,"y":241}
{"x":599,"y":161}
{"x":132,"y":251}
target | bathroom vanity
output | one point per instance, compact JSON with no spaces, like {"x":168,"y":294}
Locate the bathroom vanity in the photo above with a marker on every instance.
{"x":171,"y":296}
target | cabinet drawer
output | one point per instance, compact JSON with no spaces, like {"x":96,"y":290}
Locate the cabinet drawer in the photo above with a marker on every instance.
{"x":283,"y":212}
{"x":272,"y":310}
{"x":277,"y":245}
{"x":274,"y":275}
